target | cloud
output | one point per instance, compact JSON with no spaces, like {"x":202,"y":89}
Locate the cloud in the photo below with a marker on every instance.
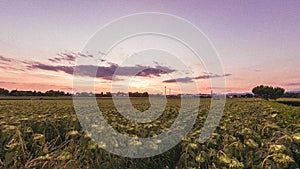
{"x":151,"y":72}
{"x":9,"y":83}
{"x":182,"y":80}
{"x":139,"y":70}
{"x":66,"y":69}
{"x":5,"y":59}
{"x":294,"y":84}
{"x":11,"y":64}
{"x":10,"y":68}
{"x":68,"y":57}
{"x":190,"y":79}
{"x":211,"y":76}
{"x":106,"y":72}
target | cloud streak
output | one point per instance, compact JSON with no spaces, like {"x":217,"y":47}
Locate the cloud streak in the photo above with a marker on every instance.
{"x":68,"y":57}
{"x":294,"y":84}
{"x":66,"y":69}
{"x":105,"y":72}
{"x":182,"y":80}
{"x":190,"y":79}
{"x":5,"y":59}
{"x":211,"y":76}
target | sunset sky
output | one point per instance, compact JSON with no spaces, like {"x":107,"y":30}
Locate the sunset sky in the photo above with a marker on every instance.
{"x":258,"y":43}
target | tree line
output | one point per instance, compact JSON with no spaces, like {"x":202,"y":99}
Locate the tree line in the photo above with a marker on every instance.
{"x":5,"y":92}
{"x":108,"y":94}
{"x":266,"y":92}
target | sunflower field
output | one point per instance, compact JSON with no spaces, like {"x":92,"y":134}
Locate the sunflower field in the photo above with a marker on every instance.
{"x":252,"y":133}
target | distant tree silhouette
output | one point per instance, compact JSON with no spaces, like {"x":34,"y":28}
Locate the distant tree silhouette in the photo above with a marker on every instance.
{"x":145,"y":94}
{"x":4,"y":92}
{"x":268,"y":92}
{"x":137,"y":94}
{"x":248,"y":95}
{"x":55,"y":93}
{"x":291,"y":95}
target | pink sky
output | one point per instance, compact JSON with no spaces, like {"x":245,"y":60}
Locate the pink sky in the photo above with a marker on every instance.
{"x":258,"y":42}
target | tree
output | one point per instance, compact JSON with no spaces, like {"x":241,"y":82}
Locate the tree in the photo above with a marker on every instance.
{"x":3,"y":92}
{"x":268,"y":92}
{"x":145,"y":94}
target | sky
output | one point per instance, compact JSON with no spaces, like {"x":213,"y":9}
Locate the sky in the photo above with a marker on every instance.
{"x":257,"y":41}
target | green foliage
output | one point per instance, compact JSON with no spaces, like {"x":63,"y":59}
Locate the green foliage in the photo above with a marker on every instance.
{"x":253,"y":133}
{"x":268,"y":92}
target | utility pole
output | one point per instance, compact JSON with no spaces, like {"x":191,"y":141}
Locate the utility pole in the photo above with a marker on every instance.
{"x":165,"y":90}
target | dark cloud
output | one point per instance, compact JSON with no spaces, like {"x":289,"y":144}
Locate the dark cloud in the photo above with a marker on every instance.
{"x":182,"y":80}
{"x":139,"y":70}
{"x":66,"y":69}
{"x":294,"y":84}
{"x":151,"y":71}
{"x":102,"y":71}
{"x":5,"y":59}
{"x":68,"y":56}
{"x":189,"y":79}
{"x":106,"y":72}
{"x":211,"y":76}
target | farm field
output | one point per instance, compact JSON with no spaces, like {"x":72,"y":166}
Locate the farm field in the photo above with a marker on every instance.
{"x":290,"y":101}
{"x":253,"y":133}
